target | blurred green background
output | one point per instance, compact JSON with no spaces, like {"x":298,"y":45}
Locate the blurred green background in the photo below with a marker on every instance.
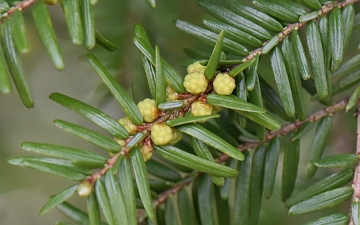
{"x":24,"y":191}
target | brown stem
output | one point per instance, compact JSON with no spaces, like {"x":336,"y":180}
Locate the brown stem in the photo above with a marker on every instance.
{"x":185,"y":182}
{"x":356,"y":179}
{"x":19,"y":6}
{"x":297,"y":124}
{"x":98,"y":174}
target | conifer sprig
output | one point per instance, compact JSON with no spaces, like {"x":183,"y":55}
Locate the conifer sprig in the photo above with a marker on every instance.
{"x":217,"y":100}
{"x":285,"y":130}
{"x":314,"y":15}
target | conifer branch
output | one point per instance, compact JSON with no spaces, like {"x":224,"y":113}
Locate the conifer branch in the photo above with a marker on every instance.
{"x":163,"y":117}
{"x":328,"y":111}
{"x":19,"y":6}
{"x":109,"y":164}
{"x":185,"y":182}
{"x":290,"y":28}
{"x":189,"y":98}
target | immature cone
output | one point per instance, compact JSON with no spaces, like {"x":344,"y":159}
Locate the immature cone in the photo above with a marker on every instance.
{"x":171,"y":95}
{"x":146,"y":152}
{"x":200,"y":108}
{"x":224,"y":84}
{"x":161,"y":134}
{"x":216,"y":109}
{"x":148,"y":109}
{"x":195,"y":83}
{"x":176,"y":136}
{"x":196,"y":67}
{"x":128,"y":125}
{"x":121,"y":142}
{"x":84,"y":189}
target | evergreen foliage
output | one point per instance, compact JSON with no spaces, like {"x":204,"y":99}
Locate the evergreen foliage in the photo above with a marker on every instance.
{"x":212,"y":141}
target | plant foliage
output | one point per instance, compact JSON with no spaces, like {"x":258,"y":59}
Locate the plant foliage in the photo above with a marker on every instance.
{"x":211,"y":138}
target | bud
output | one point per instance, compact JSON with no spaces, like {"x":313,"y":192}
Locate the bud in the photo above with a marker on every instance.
{"x":195,"y":83}
{"x":176,"y":136}
{"x":146,"y":151}
{"x":128,"y":125}
{"x":200,"y":108}
{"x":171,"y":95}
{"x":148,"y":109}
{"x":196,"y":67}
{"x":84,"y":189}
{"x":224,"y":84}
{"x":121,"y":142}
{"x":216,"y":109}
{"x":161,"y":134}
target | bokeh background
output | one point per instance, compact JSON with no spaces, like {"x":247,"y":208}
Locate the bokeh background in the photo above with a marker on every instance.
{"x":24,"y":191}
